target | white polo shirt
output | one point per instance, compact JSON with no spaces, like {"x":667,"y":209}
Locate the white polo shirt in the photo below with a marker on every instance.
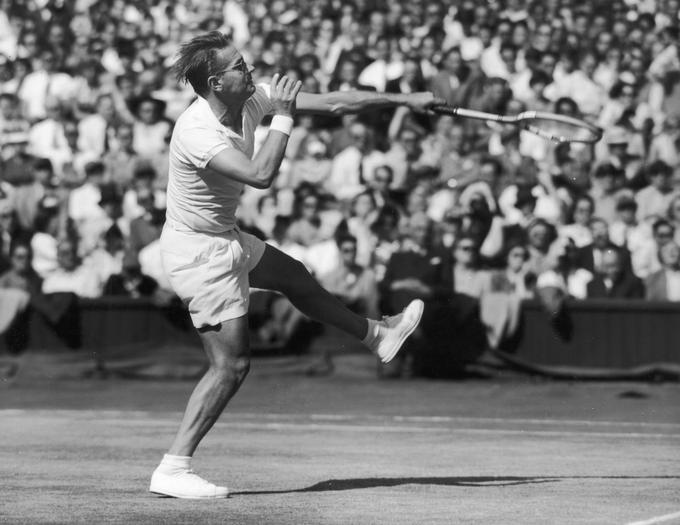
{"x":198,"y":198}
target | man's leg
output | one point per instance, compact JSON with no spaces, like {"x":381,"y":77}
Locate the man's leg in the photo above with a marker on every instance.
{"x":228,"y":351}
{"x":280,"y":272}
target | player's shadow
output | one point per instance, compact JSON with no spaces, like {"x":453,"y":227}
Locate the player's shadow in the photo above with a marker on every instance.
{"x":454,"y":481}
{"x":369,"y":483}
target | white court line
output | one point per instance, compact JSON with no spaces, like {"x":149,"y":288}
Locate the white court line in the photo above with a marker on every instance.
{"x":657,"y":519}
{"x":114,"y":417}
{"x":354,"y":417}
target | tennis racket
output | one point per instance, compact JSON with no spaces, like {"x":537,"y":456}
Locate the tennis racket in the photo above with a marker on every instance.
{"x":550,"y":126}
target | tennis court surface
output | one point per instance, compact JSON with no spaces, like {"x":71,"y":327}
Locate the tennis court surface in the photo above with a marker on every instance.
{"x":347,"y":449}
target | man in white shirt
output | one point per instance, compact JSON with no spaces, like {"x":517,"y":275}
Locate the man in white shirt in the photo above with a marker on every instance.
{"x":210,"y":263}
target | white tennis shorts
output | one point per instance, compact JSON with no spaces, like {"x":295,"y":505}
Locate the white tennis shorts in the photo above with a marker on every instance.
{"x":209,"y":272}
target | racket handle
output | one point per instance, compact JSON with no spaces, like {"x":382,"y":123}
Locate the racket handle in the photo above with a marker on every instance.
{"x":467,"y":113}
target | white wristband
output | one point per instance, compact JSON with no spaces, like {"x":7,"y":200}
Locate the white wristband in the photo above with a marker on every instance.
{"x":282,"y":123}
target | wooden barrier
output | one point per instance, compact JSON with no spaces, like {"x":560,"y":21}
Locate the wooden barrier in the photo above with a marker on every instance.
{"x":606,"y":333}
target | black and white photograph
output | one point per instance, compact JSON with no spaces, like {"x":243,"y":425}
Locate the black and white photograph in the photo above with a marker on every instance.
{"x":330,"y":262}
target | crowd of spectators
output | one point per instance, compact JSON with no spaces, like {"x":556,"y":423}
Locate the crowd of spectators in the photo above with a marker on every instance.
{"x":382,"y":207}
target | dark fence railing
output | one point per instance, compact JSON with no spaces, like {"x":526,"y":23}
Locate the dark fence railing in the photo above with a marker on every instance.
{"x":605,"y":333}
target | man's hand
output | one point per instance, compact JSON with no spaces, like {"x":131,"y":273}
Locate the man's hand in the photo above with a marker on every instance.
{"x":283,"y":92}
{"x":424,"y":101}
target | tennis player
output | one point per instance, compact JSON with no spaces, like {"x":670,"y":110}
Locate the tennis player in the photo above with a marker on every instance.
{"x":211,"y":264}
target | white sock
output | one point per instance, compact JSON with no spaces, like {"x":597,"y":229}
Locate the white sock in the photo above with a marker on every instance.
{"x":372,"y":333}
{"x":171,"y":463}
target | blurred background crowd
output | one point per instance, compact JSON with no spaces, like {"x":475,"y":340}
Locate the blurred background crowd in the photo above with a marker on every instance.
{"x":384,"y":206}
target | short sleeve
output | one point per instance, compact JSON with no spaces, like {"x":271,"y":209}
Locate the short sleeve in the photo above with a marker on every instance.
{"x":197,"y":145}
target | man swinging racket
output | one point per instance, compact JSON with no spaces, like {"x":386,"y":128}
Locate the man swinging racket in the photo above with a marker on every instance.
{"x":211,"y":264}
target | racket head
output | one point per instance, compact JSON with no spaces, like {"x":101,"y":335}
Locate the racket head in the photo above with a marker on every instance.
{"x":559,"y":128}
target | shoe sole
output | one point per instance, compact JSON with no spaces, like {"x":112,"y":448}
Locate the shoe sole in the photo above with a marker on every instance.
{"x":421,"y":307}
{"x":170,"y":495}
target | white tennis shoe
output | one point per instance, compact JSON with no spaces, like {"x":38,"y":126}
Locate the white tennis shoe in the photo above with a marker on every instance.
{"x":185,"y":484}
{"x":393,"y":330}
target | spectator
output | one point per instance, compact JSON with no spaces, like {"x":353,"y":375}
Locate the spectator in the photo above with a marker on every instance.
{"x":540,"y":236}
{"x":515,"y":279}
{"x":664,"y":284}
{"x":607,"y":190}
{"x":354,"y":164}
{"x":149,"y":129}
{"x":83,"y":207}
{"x":9,"y":230}
{"x":564,"y":278}
{"x":653,"y":200}
{"x":468,"y":278}
{"x":646,"y":259}
{"x":353,"y":284}
{"x":121,"y":161}
{"x":591,"y":256}
{"x":130,"y":282}
{"x":71,"y":276}
{"x":579,"y":229}
{"x":146,"y":228}
{"x":614,"y":280}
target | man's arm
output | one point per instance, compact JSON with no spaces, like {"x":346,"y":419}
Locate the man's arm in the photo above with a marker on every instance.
{"x":342,"y":102}
{"x":261,"y":170}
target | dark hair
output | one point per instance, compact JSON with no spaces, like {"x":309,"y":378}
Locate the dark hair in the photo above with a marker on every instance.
{"x":94,"y":168}
{"x":607,"y":168}
{"x":659,"y":166}
{"x":343,"y":237}
{"x":196,"y":60}
{"x":661,"y":222}
{"x":539,"y":77}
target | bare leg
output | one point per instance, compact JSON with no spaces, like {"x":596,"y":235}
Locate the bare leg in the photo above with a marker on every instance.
{"x":228,"y":351}
{"x":280,"y":272}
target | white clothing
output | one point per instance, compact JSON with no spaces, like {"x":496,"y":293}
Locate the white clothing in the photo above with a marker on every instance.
{"x":198,"y":198}
{"x":576,"y":283}
{"x":209,"y":271}
{"x":39,"y":85}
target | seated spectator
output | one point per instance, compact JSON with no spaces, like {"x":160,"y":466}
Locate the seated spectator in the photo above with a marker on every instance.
{"x":130,"y":282}
{"x":83,"y":207}
{"x":626,"y":231}
{"x":417,"y":270}
{"x":362,"y":214}
{"x":306,"y":226}
{"x":149,"y":129}
{"x":579,"y":229}
{"x":313,"y":166}
{"x":71,"y":276}
{"x":142,"y":183}
{"x":646,"y":256}
{"x":615,"y":280}
{"x":353,"y":284}
{"x":564,"y":277}
{"x":590,"y":257}
{"x":121,"y":161}
{"x":385,"y":230}
{"x":20,"y":275}
{"x":514,"y":279}
{"x":146,"y":228}
{"x":653,"y":201}
{"x":107,"y":260}
{"x":673,"y":216}
{"x":468,"y":278}
{"x":353,"y":165}
{"x":540,"y":236}
{"x":607,"y":189}
{"x":9,"y":229}
{"x":664,"y":284}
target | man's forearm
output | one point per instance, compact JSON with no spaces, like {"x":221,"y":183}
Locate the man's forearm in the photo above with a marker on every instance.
{"x":342,"y":102}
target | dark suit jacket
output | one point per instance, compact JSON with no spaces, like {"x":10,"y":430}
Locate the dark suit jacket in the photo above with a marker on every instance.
{"x":627,"y":287}
{"x":656,"y":286}
{"x":585,"y":258}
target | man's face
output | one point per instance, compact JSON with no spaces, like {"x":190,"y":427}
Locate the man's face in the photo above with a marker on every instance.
{"x":670,"y":256}
{"x":6,"y":108}
{"x":611,"y":264}
{"x":600,"y":234}
{"x":21,"y":259}
{"x":66,"y":255}
{"x":583,"y":211}
{"x":663,"y":234}
{"x":232,"y":78}
{"x":348,"y":252}
{"x":660,"y":181}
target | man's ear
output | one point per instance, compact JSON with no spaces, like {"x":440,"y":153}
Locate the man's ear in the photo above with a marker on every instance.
{"x":214,"y":82}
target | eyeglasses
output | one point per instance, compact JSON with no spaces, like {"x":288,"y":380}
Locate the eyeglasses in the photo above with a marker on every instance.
{"x":241,"y":66}
{"x":466,"y":247}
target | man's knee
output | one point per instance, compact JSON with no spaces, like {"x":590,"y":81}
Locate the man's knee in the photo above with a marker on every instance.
{"x":232,"y":368}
